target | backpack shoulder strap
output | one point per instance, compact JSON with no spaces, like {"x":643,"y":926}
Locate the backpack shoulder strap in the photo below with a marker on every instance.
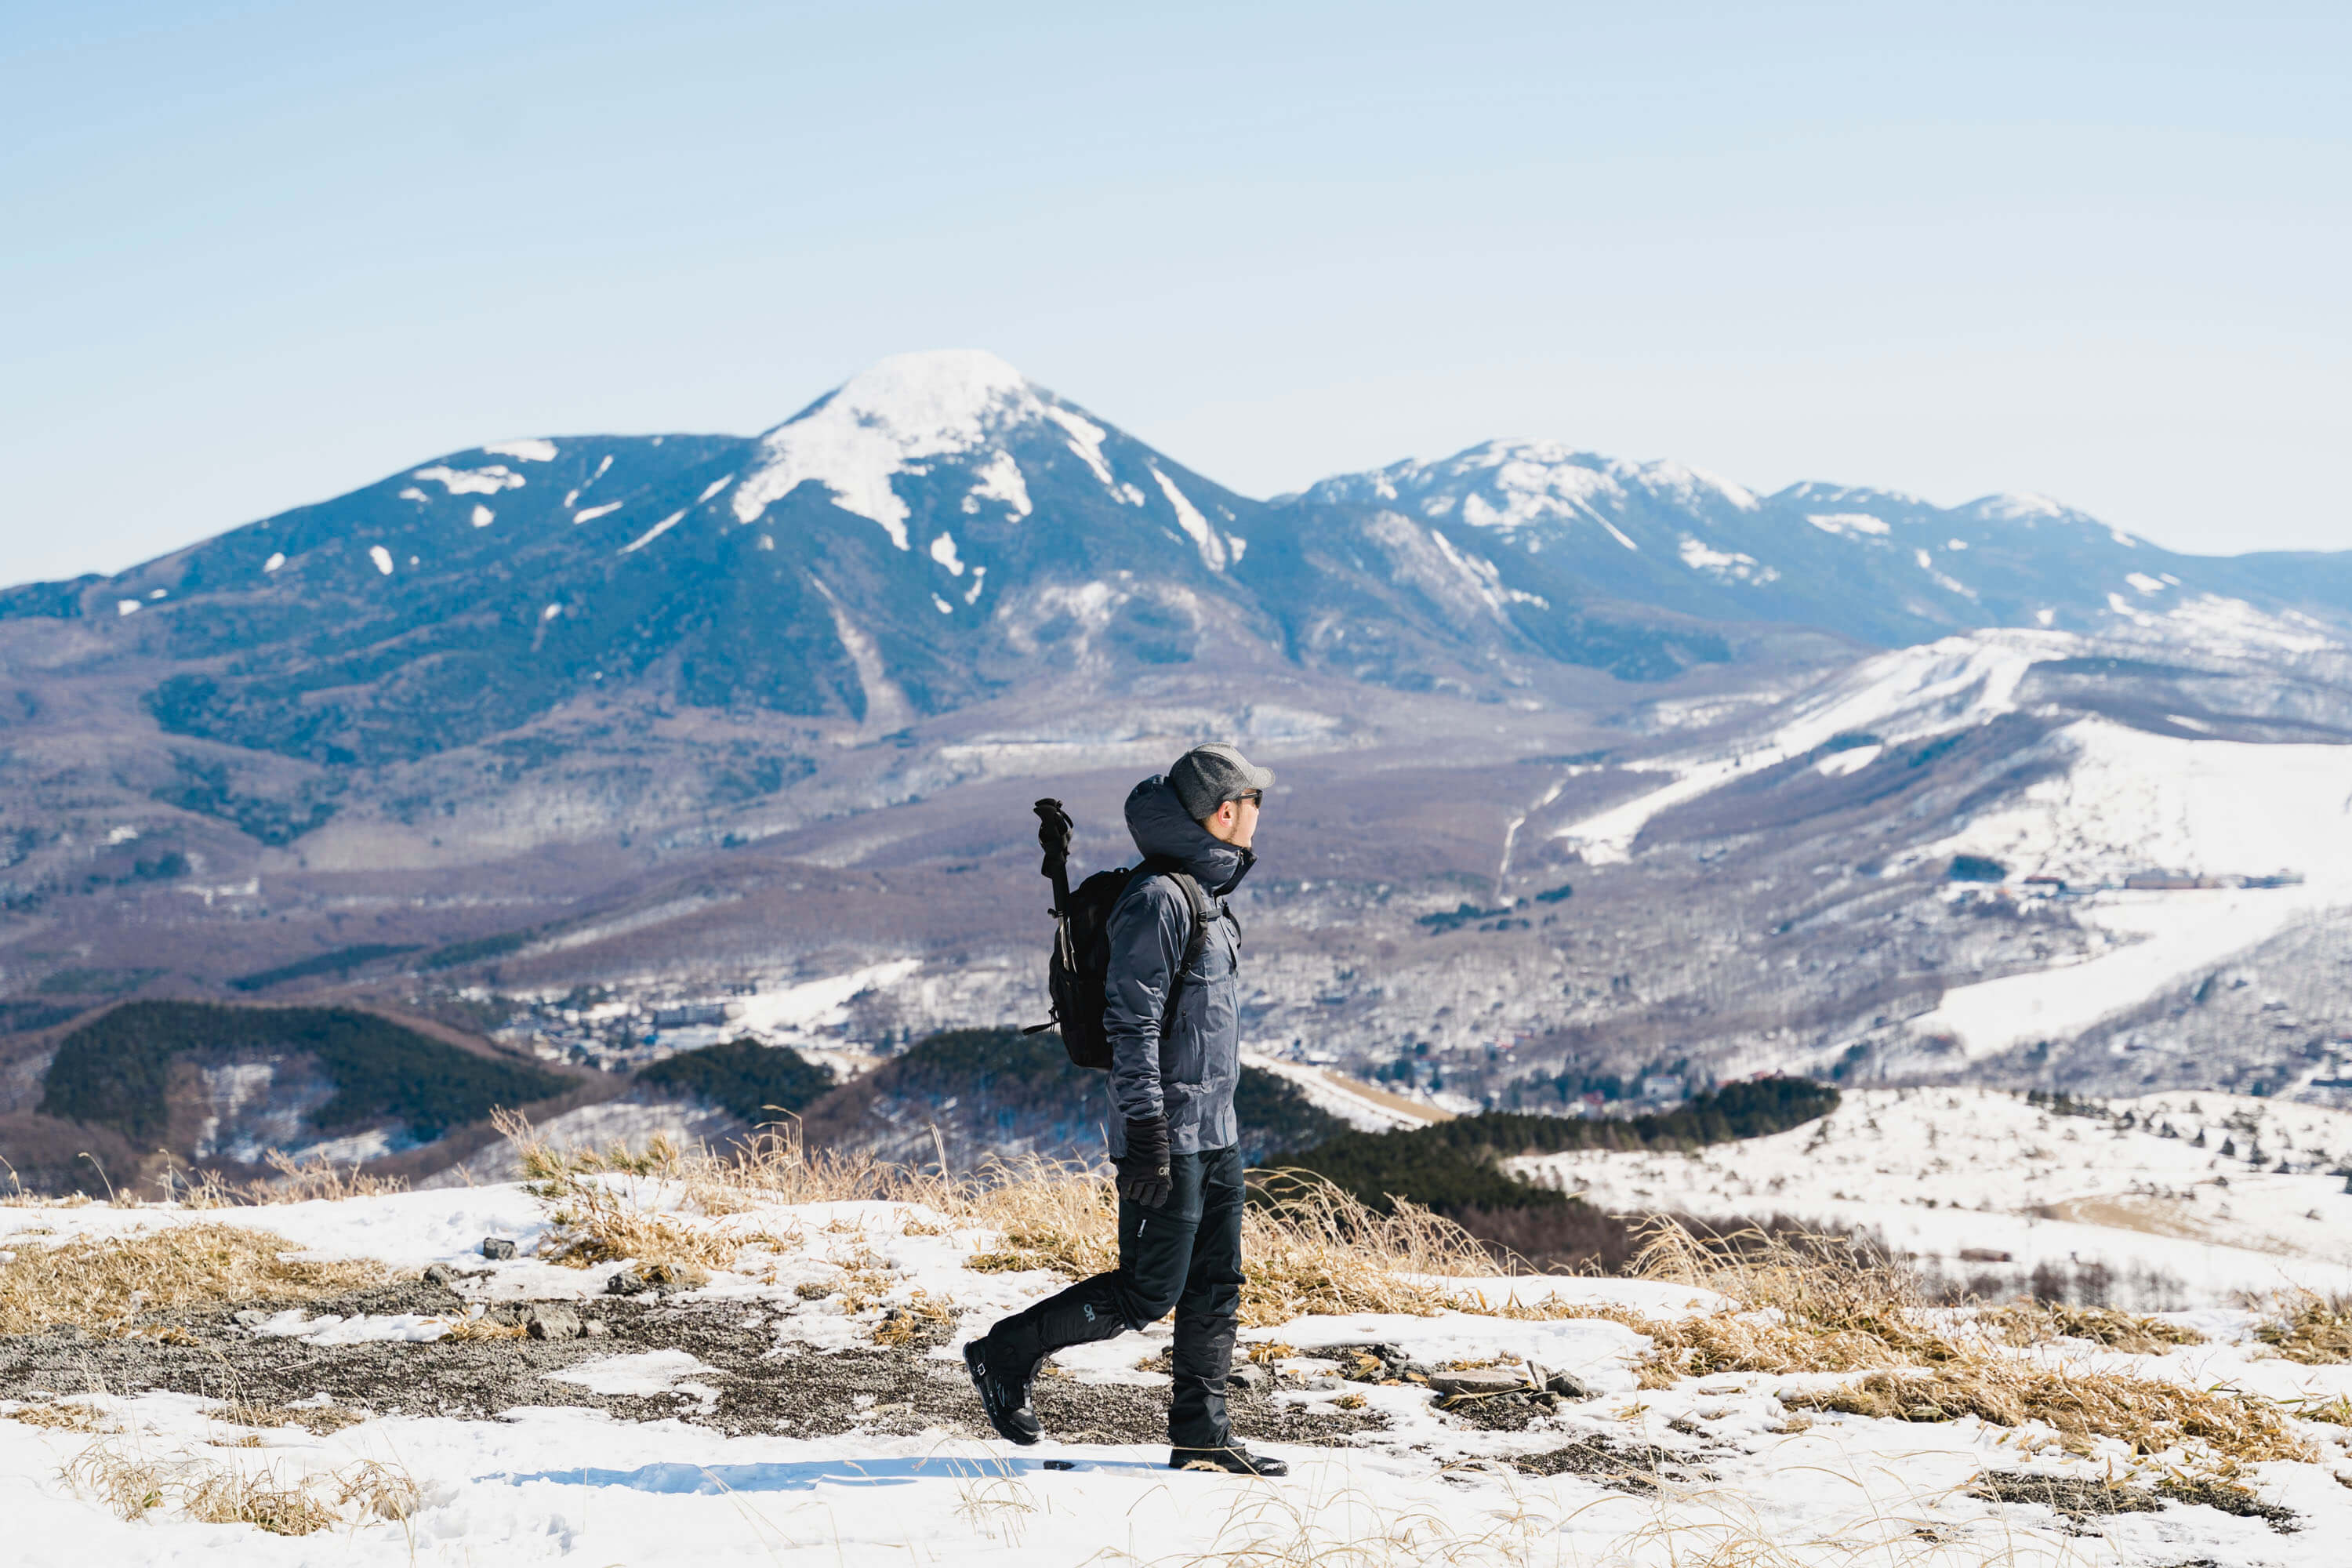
{"x":1198,"y":898}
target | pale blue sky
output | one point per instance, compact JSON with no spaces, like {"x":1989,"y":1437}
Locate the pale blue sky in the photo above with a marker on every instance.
{"x":257,"y":255}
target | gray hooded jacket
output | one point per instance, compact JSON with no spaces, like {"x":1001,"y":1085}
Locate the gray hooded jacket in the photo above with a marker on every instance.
{"x":1189,"y":1075}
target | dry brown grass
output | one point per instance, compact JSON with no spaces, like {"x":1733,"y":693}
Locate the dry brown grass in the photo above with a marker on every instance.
{"x":317,"y":1419}
{"x":1802,"y":1304}
{"x":315,"y":1179}
{"x":64,"y":1416}
{"x":485,"y":1327}
{"x":2039,"y":1322}
{"x":2314,"y":1330}
{"x":103,"y":1282}
{"x":912,"y":1319}
{"x":2150,"y":1417}
{"x":279,"y":1499}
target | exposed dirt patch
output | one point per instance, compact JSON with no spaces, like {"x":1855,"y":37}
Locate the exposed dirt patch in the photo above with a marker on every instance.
{"x":1625,"y":1466}
{"x":765,"y":1385}
{"x":2080,"y":1498}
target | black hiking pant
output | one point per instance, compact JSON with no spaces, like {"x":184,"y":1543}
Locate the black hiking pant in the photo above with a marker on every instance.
{"x":1186,"y":1253}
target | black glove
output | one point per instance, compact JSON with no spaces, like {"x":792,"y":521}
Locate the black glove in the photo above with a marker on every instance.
{"x":1143,"y":1169}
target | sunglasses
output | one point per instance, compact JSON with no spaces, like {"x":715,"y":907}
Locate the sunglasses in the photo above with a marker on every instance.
{"x":1253,"y":797}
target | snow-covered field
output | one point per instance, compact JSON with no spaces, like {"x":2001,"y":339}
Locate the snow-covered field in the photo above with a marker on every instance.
{"x":1727,"y":1472}
{"x":1943,"y":1173}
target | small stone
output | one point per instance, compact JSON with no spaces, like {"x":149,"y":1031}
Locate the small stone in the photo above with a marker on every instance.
{"x":1479,"y":1380}
{"x":1568,"y":1385}
{"x":1324,"y":1383}
{"x":252,"y":1317}
{"x":627,"y":1283}
{"x":552,"y":1324}
{"x":677,"y":1276}
{"x":497,"y":1248}
{"x":439,"y":1274}
{"x":594,"y":1328}
{"x":1248,"y":1376}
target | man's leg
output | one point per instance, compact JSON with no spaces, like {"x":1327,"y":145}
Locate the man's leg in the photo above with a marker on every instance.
{"x":1155,"y":1250}
{"x":1207,"y":1311}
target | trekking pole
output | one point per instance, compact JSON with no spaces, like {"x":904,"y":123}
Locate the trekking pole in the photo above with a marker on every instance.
{"x":1053,"y":830}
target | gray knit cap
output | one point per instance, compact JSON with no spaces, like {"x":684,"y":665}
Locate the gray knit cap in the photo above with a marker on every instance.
{"x":1212,"y":774}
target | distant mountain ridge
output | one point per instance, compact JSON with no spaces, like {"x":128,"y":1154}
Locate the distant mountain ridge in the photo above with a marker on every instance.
{"x":939,"y":530}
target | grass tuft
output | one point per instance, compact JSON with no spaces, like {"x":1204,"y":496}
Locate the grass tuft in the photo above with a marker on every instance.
{"x":2314,"y":1330}
{"x":131,"y":1484}
{"x":104,"y":1282}
{"x":64,"y":1415}
{"x":2150,"y":1417}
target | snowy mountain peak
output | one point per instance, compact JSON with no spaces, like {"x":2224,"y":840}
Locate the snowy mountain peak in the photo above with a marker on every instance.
{"x":1512,"y":484}
{"x":894,"y":412}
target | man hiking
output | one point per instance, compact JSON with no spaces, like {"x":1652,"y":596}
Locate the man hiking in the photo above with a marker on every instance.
{"x":1172,"y":1134}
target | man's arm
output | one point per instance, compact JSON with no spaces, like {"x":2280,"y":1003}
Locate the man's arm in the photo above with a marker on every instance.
{"x":1147,"y":947}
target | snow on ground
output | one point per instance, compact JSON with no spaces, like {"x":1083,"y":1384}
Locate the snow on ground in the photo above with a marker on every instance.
{"x":1359,"y":1104}
{"x":1910,"y":692}
{"x":1742,"y":1479}
{"x":2130,"y":801}
{"x":1944,"y":1173}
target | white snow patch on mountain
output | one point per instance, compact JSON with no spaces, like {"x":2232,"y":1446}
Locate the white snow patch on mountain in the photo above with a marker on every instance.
{"x":483,"y":516}
{"x":713,"y":487}
{"x":1087,"y":440}
{"x":999,"y":480}
{"x":412,"y":493}
{"x":2144,"y":582}
{"x":815,"y":1004}
{"x":1693,"y":487}
{"x":2015,"y":508}
{"x":1847,"y":523}
{"x":943,"y":551}
{"x":532,"y":449}
{"x":1852,"y":760}
{"x":590,"y":513}
{"x":127,"y":608}
{"x":1725,"y":566}
{"x":381,"y":557}
{"x":277,"y":559}
{"x":1196,"y":527}
{"x":2130,"y":801}
{"x":487,"y":481}
{"x":656,"y":531}
{"x":1910,"y":692}
{"x":2221,"y":625}
{"x":883,"y":419}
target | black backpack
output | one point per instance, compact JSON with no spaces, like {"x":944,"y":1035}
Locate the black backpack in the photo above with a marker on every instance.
{"x":1078,"y":975}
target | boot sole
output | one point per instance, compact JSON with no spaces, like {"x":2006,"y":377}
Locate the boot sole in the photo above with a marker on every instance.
{"x":1211,"y":1466}
{"x":979,"y":1387}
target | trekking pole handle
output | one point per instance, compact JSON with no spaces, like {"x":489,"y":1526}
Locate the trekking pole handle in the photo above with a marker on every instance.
{"x":1053,"y":830}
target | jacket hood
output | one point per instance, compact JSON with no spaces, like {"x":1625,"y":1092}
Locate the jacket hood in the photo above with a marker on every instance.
{"x":1161,"y":826}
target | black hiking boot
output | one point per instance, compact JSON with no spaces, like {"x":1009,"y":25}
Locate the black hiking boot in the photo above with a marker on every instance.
{"x":1233,"y":1459}
{"x":1003,"y":1397}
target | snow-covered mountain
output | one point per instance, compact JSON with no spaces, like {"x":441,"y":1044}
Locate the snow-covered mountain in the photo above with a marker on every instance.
{"x":1878,"y":566}
{"x":938,"y":529}
{"x":538,"y":694}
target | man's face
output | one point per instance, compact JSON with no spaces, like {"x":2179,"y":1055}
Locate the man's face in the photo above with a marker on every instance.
{"x":1235,"y":822}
